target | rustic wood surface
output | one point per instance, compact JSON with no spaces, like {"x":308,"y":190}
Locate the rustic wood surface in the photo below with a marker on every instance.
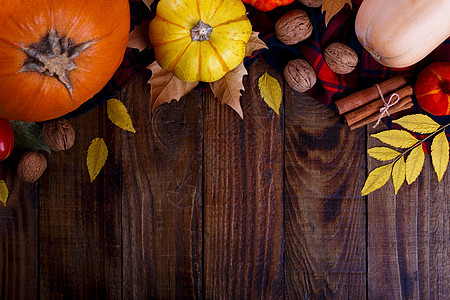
{"x":199,"y":204}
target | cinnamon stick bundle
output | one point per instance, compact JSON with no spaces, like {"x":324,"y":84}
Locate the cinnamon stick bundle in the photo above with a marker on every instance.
{"x":373,"y":107}
{"x":363,"y":97}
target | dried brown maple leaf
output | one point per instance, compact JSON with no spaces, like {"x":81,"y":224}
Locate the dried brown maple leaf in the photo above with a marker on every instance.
{"x":165,"y":86}
{"x":148,"y":2}
{"x":139,"y":37}
{"x":332,"y":7}
{"x":228,"y":88}
{"x":254,"y":44}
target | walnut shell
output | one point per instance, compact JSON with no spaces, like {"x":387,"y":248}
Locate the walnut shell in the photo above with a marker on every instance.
{"x":300,"y":75}
{"x":58,"y":134}
{"x":31,"y":166}
{"x":311,"y":3}
{"x":340,"y":58}
{"x":293,"y":27}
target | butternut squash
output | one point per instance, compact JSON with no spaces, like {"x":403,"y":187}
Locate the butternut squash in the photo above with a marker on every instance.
{"x":399,"y":33}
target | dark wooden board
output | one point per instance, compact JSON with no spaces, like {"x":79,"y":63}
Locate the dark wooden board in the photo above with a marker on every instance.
{"x":408,"y":236}
{"x":161,"y":197}
{"x":243,"y":171}
{"x":325,"y":228}
{"x":18,"y":236}
{"x":79,"y":221}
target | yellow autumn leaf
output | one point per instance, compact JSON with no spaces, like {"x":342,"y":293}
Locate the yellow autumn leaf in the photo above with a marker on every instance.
{"x":383,"y":153}
{"x":414,"y":164}
{"x":440,"y":154}
{"x":118,"y":114}
{"x":396,"y":138}
{"x":377,"y":178}
{"x":398,"y":173}
{"x":228,"y":88}
{"x":418,"y":123}
{"x":4,"y":193}
{"x":254,"y":44}
{"x":270,"y":91}
{"x":332,"y":7}
{"x":96,"y":157}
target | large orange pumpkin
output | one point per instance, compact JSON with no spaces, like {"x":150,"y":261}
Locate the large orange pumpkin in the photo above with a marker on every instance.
{"x":56,"y":54}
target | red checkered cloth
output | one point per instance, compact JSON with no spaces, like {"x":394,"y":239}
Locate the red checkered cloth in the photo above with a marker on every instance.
{"x":329,"y":87}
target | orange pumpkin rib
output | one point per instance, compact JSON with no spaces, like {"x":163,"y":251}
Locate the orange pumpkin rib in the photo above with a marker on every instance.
{"x":219,"y":58}
{"x":236,"y":20}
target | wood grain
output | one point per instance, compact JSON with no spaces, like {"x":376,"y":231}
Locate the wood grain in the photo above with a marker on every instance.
{"x":18,"y":235}
{"x":408,"y":237}
{"x":79,"y":221}
{"x":161,"y":206}
{"x":243,"y":173}
{"x":325,"y":249}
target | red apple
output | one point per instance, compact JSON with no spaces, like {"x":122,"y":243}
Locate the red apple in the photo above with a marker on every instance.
{"x":433,"y":88}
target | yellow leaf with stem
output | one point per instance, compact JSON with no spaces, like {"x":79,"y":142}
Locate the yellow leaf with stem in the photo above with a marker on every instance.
{"x":4,"y":193}
{"x":377,"y":178}
{"x":398,"y":173}
{"x":383,"y":153}
{"x":418,"y":123}
{"x":396,"y":138}
{"x":118,"y":114}
{"x":96,"y":157}
{"x":414,"y":164}
{"x":270,"y":91}
{"x":440,"y":154}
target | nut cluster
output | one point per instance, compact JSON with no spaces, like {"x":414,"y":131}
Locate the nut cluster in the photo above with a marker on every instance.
{"x":293,"y":27}
{"x":58,"y":134}
{"x":300,"y":75}
{"x":340,"y":58}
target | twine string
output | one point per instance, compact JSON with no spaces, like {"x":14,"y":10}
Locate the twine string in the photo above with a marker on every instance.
{"x":387,"y":105}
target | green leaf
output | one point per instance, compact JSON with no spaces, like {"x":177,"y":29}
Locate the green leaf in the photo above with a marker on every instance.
{"x":440,"y":154}
{"x":399,"y":174}
{"x":270,"y":91}
{"x":377,"y":178}
{"x":28,"y":136}
{"x":414,"y":164}
{"x":383,"y":153}
{"x":418,"y":123}
{"x":396,"y":138}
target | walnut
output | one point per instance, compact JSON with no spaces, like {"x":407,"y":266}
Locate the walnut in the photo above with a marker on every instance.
{"x":340,"y":58}
{"x":58,"y":134}
{"x":31,"y":166}
{"x":300,"y":75}
{"x":293,"y":27}
{"x":312,"y":3}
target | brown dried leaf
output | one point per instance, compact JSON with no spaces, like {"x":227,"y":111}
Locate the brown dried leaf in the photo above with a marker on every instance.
{"x":165,"y":86}
{"x":228,"y":88}
{"x":332,"y":7}
{"x":148,"y":3}
{"x":138,"y":38}
{"x":254,"y":44}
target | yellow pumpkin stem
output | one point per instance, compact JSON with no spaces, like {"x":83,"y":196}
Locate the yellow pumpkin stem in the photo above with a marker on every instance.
{"x":201,"y":32}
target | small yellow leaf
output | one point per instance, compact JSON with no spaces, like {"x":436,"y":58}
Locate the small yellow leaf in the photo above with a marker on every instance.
{"x":254,"y":44}
{"x":383,"y":153}
{"x":228,"y":88}
{"x":440,"y":154}
{"x":414,"y":164}
{"x":332,"y":7}
{"x":270,"y":91}
{"x":377,"y":178}
{"x":418,"y":123}
{"x":396,"y":138}
{"x":96,"y":157}
{"x":165,"y":86}
{"x":118,"y":114}
{"x":399,"y":173}
{"x":4,"y":193}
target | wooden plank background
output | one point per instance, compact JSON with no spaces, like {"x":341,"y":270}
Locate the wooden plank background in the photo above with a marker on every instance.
{"x":200,"y":204}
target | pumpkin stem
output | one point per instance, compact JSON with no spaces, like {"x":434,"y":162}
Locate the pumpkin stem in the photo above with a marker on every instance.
{"x":201,"y":32}
{"x":54,"y":56}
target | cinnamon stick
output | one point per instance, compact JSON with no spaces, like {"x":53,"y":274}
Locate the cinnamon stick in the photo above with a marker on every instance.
{"x":373,"y":107}
{"x":363,"y":97}
{"x":403,"y":104}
